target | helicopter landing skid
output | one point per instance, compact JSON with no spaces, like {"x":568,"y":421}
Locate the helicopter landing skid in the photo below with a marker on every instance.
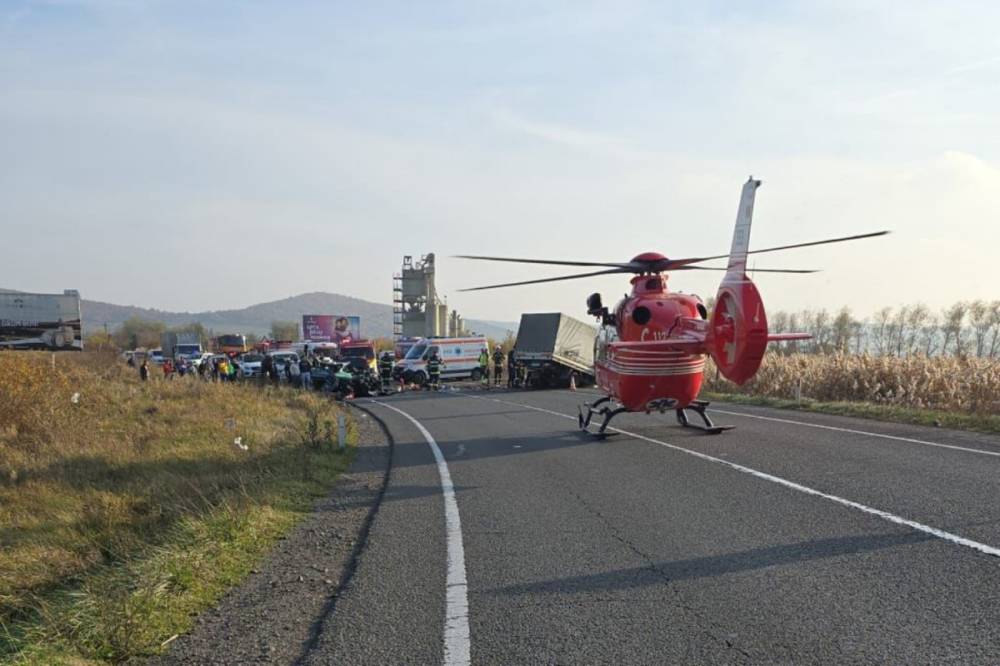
{"x":607,"y":412}
{"x":699,"y":407}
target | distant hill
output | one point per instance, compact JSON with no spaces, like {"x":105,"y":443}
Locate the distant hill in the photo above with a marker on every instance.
{"x":376,"y":318}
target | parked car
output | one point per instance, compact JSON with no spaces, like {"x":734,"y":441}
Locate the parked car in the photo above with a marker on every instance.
{"x":155,"y":356}
{"x":282,"y":358}
{"x":250,"y":364}
{"x":197,"y":359}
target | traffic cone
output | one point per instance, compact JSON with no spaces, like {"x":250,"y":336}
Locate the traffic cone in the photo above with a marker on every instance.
{"x":572,"y":382}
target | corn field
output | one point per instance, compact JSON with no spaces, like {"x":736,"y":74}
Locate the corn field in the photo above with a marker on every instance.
{"x":965,"y":384}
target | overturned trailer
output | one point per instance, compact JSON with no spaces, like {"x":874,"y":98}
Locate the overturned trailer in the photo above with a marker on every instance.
{"x":41,"y":321}
{"x":551,"y":347}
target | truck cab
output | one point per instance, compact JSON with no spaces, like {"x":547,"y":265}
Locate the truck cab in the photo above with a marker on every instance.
{"x":353,"y":351}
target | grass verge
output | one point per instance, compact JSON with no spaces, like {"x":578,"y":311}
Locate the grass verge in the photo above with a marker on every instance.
{"x":128,"y":507}
{"x":988,"y":423}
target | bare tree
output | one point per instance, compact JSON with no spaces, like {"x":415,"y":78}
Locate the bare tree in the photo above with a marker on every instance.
{"x":843,"y":330}
{"x":952,"y":319}
{"x":981,"y":321}
{"x":880,"y":330}
{"x":897,"y":331}
{"x":915,"y":322}
{"x":821,"y":331}
{"x":859,"y":333}
{"x":994,"y":329}
{"x":778,"y":321}
{"x":930,"y":335}
{"x":793,"y":325}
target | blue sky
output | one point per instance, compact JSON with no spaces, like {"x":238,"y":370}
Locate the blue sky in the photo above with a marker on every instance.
{"x":212,"y":155}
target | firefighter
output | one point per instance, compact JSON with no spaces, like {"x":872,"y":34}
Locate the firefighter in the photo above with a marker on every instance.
{"x":484,"y":367}
{"x":434,"y":371}
{"x":385,"y":371}
{"x":497,"y":366}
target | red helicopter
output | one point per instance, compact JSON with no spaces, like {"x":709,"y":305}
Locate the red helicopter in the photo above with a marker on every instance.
{"x":650,"y":351}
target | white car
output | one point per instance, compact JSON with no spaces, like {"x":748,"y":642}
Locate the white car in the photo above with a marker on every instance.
{"x":195,"y":359}
{"x":250,"y":364}
{"x":155,"y":356}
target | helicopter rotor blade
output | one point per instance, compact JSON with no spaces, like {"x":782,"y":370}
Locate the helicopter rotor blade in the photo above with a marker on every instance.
{"x":552,"y":279}
{"x":674,"y":264}
{"x":550,"y":262}
{"x":751,"y":270}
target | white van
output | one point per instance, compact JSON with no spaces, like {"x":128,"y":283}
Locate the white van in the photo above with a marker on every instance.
{"x":459,"y":359}
{"x":320,"y":349}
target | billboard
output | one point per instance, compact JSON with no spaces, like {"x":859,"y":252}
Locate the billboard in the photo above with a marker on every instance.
{"x":40,"y":321}
{"x":331,"y":328}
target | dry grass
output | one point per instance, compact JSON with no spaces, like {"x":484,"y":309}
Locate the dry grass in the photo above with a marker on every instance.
{"x":128,"y":508}
{"x":969,"y":386}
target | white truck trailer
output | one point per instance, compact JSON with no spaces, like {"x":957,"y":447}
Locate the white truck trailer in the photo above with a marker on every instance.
{"x":41,"y":321}
{"x":552,"y":346}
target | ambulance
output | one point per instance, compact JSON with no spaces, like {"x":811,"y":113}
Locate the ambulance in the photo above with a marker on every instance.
{"x":459,"y":359}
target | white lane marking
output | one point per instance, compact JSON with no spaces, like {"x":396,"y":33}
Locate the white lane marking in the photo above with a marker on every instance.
{"x":885,"y":515}
{"x":909,"y":440}
{"x":457,"y":645}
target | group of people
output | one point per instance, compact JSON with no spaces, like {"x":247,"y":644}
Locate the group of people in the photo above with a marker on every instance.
{"x":227,"y":368}
{"x":514,"y":369}
{"x":220,"y":369}
{"x":296,"y":373}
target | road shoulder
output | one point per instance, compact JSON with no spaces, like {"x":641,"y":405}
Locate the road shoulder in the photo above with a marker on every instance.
{"x":274,"y":616}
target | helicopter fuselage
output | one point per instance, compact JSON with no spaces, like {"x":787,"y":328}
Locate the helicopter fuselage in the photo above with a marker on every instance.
{"x":653,"y":376}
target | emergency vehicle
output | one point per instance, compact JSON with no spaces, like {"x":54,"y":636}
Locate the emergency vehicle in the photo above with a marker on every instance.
{"x":459,"y":358}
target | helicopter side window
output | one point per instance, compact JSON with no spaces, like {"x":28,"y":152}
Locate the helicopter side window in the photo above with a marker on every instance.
{"x":641,"y":315}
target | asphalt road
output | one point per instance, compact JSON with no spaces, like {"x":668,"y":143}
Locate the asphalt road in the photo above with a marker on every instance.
{"x":795,"y":538}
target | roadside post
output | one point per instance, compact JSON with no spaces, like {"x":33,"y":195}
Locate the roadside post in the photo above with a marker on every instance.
{"x":341,"y":432}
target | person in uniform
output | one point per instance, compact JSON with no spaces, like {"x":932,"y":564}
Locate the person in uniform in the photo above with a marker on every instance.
{"x":434,"y":371}
{"x":385,"y":371}
{"x":484,"y":367}
{"x":497,"y":366}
